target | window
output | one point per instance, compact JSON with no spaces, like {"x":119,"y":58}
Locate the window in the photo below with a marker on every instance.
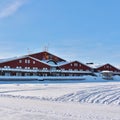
{"x":18,"y":74}
{"x":25,"y":67}
{"x":25,"y":60}
{"x":75,"y":69}
{"x":7,"y":73}
{"x":28,"y":61}
{"x":107,"y":66}
{"x":33,"y":62}
{"x":19,"y":67}
{"x":75,"y":64}
{"x":44,"y":68}
{"x":20,"y":61}
{"x":28,"y":67}
{"x":70,"y":64}
{"x":70,"y":75}
{"x":6,"y":66}
{"x":35,"y":68}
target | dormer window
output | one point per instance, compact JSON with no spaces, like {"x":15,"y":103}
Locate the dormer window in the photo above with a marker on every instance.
{"x":51,"y":62}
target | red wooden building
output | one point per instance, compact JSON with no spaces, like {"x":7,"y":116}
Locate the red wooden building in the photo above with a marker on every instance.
{"x":42,"y":64}
{"x":107,"y":67}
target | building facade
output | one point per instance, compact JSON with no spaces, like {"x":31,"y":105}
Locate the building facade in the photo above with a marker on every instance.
{"x":107,"y":67}
{"x":42,"y":64}
{"x":47,"y":64}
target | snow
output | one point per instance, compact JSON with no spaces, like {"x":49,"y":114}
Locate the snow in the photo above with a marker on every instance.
{"x":94,"y":65}
{"x":90,"y":99}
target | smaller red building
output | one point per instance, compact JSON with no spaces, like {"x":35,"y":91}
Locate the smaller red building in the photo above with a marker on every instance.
{"x":75,"y":65}
{"x":107,"y":67}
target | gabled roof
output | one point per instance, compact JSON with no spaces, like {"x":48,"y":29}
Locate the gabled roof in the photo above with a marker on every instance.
{"x":39,"y":60}
{"x":43,"y":53}
{"x":62,"y":63}
{"x":107,"y":64}
{"x":17,"y":58}
{"x":26,"y":56}
{"x":11,"y":59}
{"x":7,"y":59}
{"x":77,"y":62}
{"x":30,"y":56}
{"x":94,"y":66}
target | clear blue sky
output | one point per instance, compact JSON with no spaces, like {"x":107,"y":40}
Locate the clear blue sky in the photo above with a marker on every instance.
{"x":84,"y":30}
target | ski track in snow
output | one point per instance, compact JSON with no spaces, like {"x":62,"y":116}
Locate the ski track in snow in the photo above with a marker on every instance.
{"x":103,"y":94}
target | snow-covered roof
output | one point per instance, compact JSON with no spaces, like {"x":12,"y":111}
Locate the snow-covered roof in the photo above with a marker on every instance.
{"x":42,"y":61}
{"x":21,"y":57}
{"x":10,"y":59}
{"x":39,"y":60}
{"x":47,"y":53}
{"x":94,"y":65}
{"x":106,"y":71}
{"x":107,"y":64}
{"x":57,"y":64}
{"x":73,"y":62}
{"x":62,"y":63}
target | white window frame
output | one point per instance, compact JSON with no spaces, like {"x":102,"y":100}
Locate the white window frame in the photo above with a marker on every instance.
{"x":26,"y":61}
{"x":33,"y":62}
{"x":20,"y":61}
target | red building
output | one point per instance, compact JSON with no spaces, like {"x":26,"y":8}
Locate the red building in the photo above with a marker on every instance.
{"x":107,"y":67}
{"x":47,"y":64}
{"x":42,"y":64}
{"x":74,"y":67}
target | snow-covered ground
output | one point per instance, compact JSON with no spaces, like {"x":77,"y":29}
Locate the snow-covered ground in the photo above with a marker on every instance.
{"x":90,"y":99}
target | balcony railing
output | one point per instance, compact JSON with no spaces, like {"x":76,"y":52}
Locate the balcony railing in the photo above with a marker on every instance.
{"x":42,"y":70}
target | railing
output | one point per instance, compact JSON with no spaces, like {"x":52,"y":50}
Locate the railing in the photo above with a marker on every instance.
{"x":18,"y":70}
{"x":43,"y":70}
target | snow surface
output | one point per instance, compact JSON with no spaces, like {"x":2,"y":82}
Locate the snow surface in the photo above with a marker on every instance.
{"x":90,"y":99}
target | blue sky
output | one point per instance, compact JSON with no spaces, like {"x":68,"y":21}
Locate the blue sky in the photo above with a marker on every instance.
{"x":84,"y":30}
